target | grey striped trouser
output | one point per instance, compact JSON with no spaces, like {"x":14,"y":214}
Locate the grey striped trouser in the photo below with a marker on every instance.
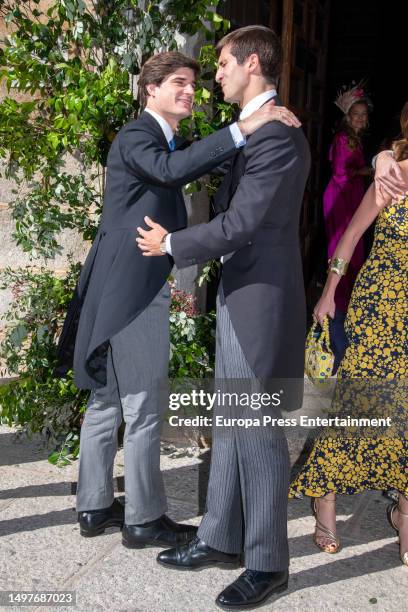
{"x":137,"y":367}
{"x":249,"y":476}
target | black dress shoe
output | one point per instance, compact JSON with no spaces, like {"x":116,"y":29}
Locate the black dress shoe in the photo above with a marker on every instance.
{"x":252,"y":589}
{"x":94,"y":522}
{"x":161,"y":532}
{"x":196,"y":555}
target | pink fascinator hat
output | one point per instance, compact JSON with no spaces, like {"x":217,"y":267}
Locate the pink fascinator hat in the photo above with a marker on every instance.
{"x":349,"y":95}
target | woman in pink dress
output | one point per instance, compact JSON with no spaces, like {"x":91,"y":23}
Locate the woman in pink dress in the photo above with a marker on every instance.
{"x":342,"y":197}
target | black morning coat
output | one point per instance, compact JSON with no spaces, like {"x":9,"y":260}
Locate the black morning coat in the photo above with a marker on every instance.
{"x":257,"y":231}
{"x":117,"y":282}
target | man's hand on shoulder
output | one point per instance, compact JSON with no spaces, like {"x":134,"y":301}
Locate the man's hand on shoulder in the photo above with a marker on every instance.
{"x":151,"y":241}
{"x":268,"y":112}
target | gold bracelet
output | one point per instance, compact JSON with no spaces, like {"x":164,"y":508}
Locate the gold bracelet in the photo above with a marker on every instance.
{"x":338,"y":266}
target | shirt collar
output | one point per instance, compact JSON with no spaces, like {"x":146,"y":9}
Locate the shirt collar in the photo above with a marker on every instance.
{"x":257,"y":102}
{"x":165,"y":126}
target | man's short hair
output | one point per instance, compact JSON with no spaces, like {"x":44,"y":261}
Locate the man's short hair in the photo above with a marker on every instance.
{"x":158,"y":67}
{"x":256,"y":39}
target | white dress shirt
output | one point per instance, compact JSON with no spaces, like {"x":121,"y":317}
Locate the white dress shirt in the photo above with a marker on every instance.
{"x":165,"y":125}
{"x":257,"y":102}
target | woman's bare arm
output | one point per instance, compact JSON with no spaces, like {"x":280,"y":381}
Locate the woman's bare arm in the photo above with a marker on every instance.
{"x":362,"y":219}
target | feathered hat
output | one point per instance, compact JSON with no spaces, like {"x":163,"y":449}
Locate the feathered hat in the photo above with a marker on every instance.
{"x":347,"y":96}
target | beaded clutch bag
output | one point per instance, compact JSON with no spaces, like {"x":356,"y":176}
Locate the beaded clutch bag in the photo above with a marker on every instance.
{"x":319,"y":358}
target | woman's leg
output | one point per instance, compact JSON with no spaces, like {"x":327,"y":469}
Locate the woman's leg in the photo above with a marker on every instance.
{"x":324,"y":510}
{"x":401,"y":521}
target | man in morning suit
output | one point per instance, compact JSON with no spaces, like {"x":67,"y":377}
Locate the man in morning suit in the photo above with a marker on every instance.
{"x":116,"y":332}
{"x":260,"y":324}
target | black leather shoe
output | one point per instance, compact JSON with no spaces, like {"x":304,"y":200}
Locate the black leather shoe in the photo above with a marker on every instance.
{"x":196,"y":555}
{"x":252,"y":589}
{"x":94,"y":522}
{"x":161,"y":532}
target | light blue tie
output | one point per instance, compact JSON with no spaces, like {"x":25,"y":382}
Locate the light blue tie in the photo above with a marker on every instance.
{"x":172,"y":144}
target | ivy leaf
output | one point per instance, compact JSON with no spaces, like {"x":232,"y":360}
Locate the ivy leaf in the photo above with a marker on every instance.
{"x":18,"y":335}
{"x":42,"y":331}
{"x":54,"y":140}
{"x":78,"y":30}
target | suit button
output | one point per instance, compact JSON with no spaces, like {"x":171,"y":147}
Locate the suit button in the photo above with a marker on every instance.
{"x":250,"y":242}
{"x":212,"y":154}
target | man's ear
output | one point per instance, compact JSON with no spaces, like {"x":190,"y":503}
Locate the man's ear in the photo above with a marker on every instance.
{"x":253,"y":63}
{"x":151,"y":89}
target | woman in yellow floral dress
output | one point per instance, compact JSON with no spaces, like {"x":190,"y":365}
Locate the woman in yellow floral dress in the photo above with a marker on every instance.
{"x":377,"y":357}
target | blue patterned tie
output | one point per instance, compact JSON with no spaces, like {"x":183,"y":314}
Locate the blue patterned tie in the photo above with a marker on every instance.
{"x":172,"y":144}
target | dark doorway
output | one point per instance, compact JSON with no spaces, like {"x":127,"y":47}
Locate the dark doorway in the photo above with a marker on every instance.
{"x":367,"y":39}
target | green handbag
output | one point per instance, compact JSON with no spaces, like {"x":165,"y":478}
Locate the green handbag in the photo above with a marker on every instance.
{"x":319,"y":358}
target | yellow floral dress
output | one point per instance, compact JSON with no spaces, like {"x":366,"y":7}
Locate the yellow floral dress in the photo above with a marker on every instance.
{"x":372,"y":377}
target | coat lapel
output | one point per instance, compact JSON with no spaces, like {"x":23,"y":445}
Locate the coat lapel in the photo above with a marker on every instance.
{"x":230,"y":183}
{"x":152,"y":126}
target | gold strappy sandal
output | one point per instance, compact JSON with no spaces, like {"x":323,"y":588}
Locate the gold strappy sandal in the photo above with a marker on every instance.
{"x":334,"y":543}
{"x":390,"y":513}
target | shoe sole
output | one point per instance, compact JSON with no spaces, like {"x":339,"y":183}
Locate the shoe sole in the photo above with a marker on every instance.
{"x":138,"y":546}
{"x":96,"y":532}
{"x":280,"y":589}
{"x":218,"y":564}
{"x":150,"y":544}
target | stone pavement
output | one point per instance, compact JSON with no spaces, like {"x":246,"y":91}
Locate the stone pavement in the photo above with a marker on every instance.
{"x":41,"y":549}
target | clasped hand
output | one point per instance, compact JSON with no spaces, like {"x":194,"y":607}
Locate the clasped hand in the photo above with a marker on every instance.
{"x":325,"y":306}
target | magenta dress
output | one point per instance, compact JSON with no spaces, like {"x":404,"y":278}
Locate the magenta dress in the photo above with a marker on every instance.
{"x":341,"y":198}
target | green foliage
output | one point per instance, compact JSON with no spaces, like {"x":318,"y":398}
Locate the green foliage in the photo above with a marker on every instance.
{"x":192,"y":338}
{"x":209,"y":271}
{"x":192,"y":345}
{"x":35,"y":400}
{"x":80,"y":98}
{"x":38,"y":402}
{"x":76,"y":63}
{"x":67,"y":450}
{"x":59,"y":200}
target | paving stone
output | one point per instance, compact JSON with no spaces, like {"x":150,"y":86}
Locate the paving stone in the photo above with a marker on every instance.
{"x":40,"y":546}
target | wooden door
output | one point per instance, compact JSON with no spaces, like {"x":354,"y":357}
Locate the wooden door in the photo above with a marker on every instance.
{"x":250,"y":12}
